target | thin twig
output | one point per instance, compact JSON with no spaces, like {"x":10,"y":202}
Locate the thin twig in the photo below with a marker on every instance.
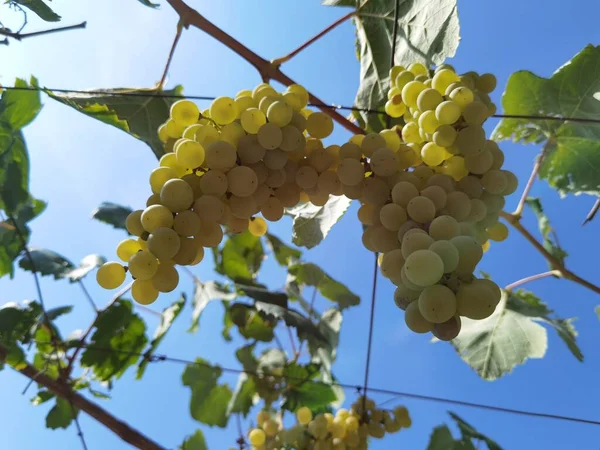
{"x":388,"y":118}
{"x":78,"y":426}
{"x":20,"y":36}
{"x":534,"y":172}
{"x":315,"y":38}
{"x":539,"y":276}
{"x":88,"y":296}
{"x":163,"y":78}
{"x":370,"y":340}
{"x":310,"y":314}
{"x":592,"y":212}
{"x":241,"y":441}
{"x":554,"y":262}
{"x":24,"y":24}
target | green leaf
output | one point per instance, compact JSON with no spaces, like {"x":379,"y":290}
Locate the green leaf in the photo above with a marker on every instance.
{"x":303,"y":391}
{"x":41,"y":9}
{"x":119,"y":338}
{"x":428,"y":32}
{"x":46,"y":262}
{"x":42,"y":397}
{"x":550,"y":239}
{"x":246,"y":357}
{"x":18,"y":108}
{"x":511,"y":335}
{"x":242,"y":400}
{"x":148,"y":3}
{"x":250,"y":323}
{"x":14,"y":170}
{"x":241,"y":258}
{"x":10,"y":241}
{"x":204,"y":293}
{"x":312,"y":275}
{"x":61,"y":415}
{"x":329,"y":326}
{"x":572,"y":150}
{"x":195,"y":441}
{"x":271,"y":361}
{"x":139,"y":114}
{"x":469,"y":433}
{"x":112,"y":214}
{"x":55,"y":313}
{"x":209,"y":400}
{"x":441,"y":439}
{"x":17,"y":322}
{"x":284,"y":254}
{"x":167,"y":318}
{"x":311,"y":223}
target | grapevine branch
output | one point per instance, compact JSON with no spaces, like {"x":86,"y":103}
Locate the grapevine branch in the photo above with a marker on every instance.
{"x":120,"y":428}
{"x":538,"y":276}
{"x":534,"y":172}
{"x":19,"y":36}
{"x":163,"y":78}
{"x":267,"y":70}
{"x":554,"y":262}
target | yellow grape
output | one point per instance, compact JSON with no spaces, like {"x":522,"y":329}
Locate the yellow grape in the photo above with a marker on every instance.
{"x":319,"y":125}
{"x":166,"y":278}
{"x":257,"y":226}
{"x":223,"y":110}
{"x":177,"y":195}
{"x":159,"y":176}
{"x":110,"y":275}
{"x":190,"y":154}
{"x":156,"y":216}
{"x":280,"y":113}
{"x":127,"y":248}
{"x":133,"y":223}
{"x":163,"y":243}
{"x":143,"y":265}
{"x":185,"y":112}
{"x":144,"y":292}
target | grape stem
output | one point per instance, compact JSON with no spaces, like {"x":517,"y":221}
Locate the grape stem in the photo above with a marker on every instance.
{"x":592,"y":212}
{"x":267,"y":70}
{"x":514,"y":220}
{"x":163,"y":78}
{"x":20,"y":36}
{"x":539,"y":276}
{"x":534,"y":172}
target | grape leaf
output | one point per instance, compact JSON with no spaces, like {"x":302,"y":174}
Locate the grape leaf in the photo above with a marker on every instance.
{"x":209,"y":400}
{"x":41,"y":9}
{"x":87,"y":264}
{"x":46,"y":262}
{"x":240,"y":258}
{"x":284,"y":254}
{"x":119,"y":338}
{"x":469,"y":433}
{"x":18,"y":108}
{"x":511,"y":335}
{"x":329,"y":326}
{"x":17,"y":322}
{"x":311,"y":223}
{"x":250,"y":323}
{"x":204,"y":293}
{"x":61,"y":415}
{"x":112,"y":214}
{"x":428,"y":32}
{"x":195,"y":442}
{"x":572,"y":150}
{"x":10,"y":241}
{"x":271,"y":361}
{"x":301,"y":390}
{"x":312,"y":275}
{"x":55,"y":313}
{"x":139,"y":114}
{"x":42,"y":397}
{"x":441,"y":439}
{"x":242,"y":399}
{"x":149,"y":3}
{"x":550,"y":240}
{"x":167,"y":318}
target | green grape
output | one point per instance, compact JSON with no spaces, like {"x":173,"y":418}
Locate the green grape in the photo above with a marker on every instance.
{"x":384,"y":162}
{"x":475,"y":301}
{"x":243,"y":207}
{"x":470,"y":141}
{"x":493,"y":202}
{"x":384,"y":240}
{"x":166,"y":278}
{"x":242,"y":181}
{"x":392,"y":216}
{"x":480,"y":163}
{"x":442,"y":79}
{"x":375,"y":191}
{"x":391,"y":264}
{"x":486,"y":83}
{"x":144,"y":292}
{"x":350,"y":171}
{"x":294,"y":101}
{"x":163,"y":243}
{"x":444,"y":136}
{"x":156,"y":216}
{"x":276,"y":178}
{"x":159,"y":176}
{"x":263,"y":192}
{"x":511,"y":183}
{"x":462,"y":96}
{"x":110,"y":275}
{"x":437,"y":303}
{"x":350,"y":151}
{"x":288,"y":195}
{"x":303,"y":415}
{"x":257,"y":226}
{"x":411,"y":242}
{"x":428,"y":122}
{"x":214,"y":182}
{"x":410,"y":133}
{"x":418,"y":69}
{"x":403,"y":296}
{"x":448,"y":253}
{"x":319,"y":125}
{"x":372,"y":142}
{"x":441,"y":180}
{"x":307,"y":177}
{"x":170,"y":160}
{"x":190,"y":154}
{"x":243,"y":103}
{"x":127,"y":248}
{"x":257,"y":437}
{"x":173,"y":129}
{"x":209,"y":208}
{"x":444,"y":228}
{"x":432,"y":154}
{"x":267,"y":101}
{"x":411,"y":91}
{"x":415,"y":320}
{"x":329,"y":183}
{"x":262,"y":90}
{"x":421,"y":209}
{"x":275,"y":159}
{"x":447,"y":112}
{"x":446,"y":331}
{"x":292,"y":139}
{"x":394,"y":107}
{"x":143,"y":265}
{"x":470,"y":253}
{"x":223,"y":110}
{"x":497,"y":232}
{"x":475,"y":113}
{"x":429,"y":99}
{"x":424,"y":267}
{"x":270,"y":136}
{"x":206,"y":134}
{"x":220,"y":155}
{"x":186,"y":223}
{"x":133,"y":223}
{"x":232,"y":133}
{"x":189,"y":250}
{"x":403,"y":78}
{"x":280,"y":113}
{"x":210,"y":234}
{"x":494,"y":182}
{"x":251,"y":154}
{"x":185,"y":113}
{"x":496,"y":291}
{"x":177,"y":195}
{"x":298,"y":121}
{"x":437,"y":195}
{"x":478,"y":210}
{"x":300,"y":91}
{"x":392,"y":139}
{"x":194,"y":181}
{"x":403,"y":192}
{"x":352,"y":192}
{"x":458,"y":205}
{"x":471,"y":186}
{"x":367,"y":214}
{"x":163,"y":135}
{"x":497,"y":154}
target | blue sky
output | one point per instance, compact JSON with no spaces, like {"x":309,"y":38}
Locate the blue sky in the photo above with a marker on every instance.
{"x":76,"y":163}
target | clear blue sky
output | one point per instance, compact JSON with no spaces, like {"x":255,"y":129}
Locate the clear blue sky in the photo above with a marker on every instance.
{"x":76,"y":163}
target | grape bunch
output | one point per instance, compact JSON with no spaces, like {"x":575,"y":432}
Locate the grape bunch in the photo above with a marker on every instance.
{"x":431,"y":190}
{"x":233,"y":166}
{"x":348,"y":429}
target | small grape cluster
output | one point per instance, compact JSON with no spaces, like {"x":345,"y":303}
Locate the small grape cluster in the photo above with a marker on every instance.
{"x":224,"y":167}
{"x":431,"y":191}
{"x":348,"y":429}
